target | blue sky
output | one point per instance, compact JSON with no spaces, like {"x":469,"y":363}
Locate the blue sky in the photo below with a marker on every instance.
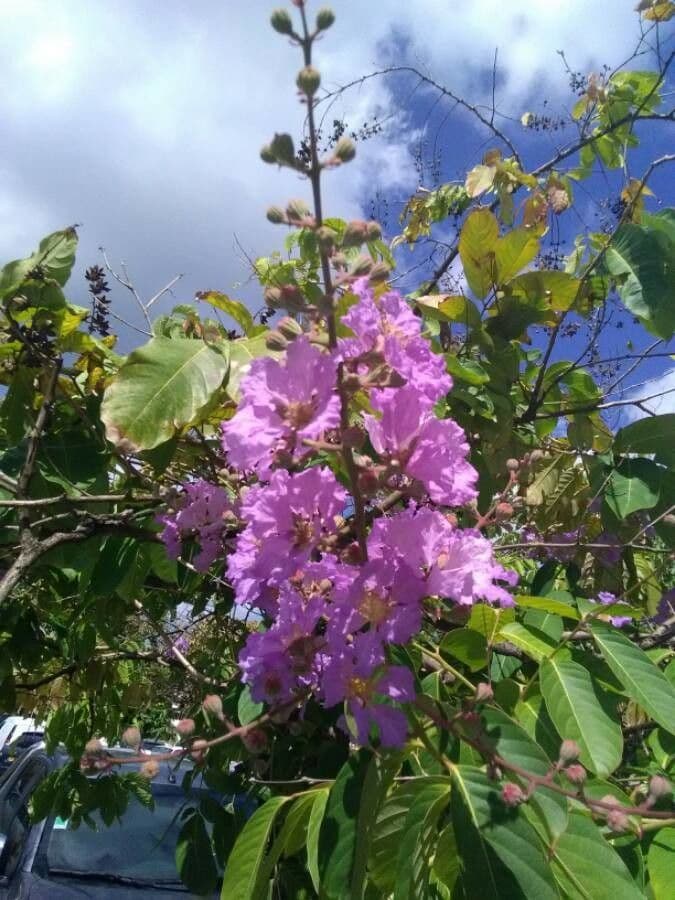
{"x":143,"y":121}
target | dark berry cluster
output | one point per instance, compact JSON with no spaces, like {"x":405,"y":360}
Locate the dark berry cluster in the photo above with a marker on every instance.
{"x":100,"y":302}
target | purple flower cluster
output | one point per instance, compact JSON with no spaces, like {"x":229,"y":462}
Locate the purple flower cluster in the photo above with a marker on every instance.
{"x":332,"y":610}
{"x":203,"y":510}
{"x":606,"y":598}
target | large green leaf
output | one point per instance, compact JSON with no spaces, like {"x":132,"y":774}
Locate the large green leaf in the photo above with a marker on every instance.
{"x":233,"y":308}
{"x":415,"y":848}
{"x":549,"y":605}
{"x":161,"y":388}
{"x":466,"y":645}
{"x":477,"y":243}
{"x":244,"y":873}
{"x":486,"y":829}
{"x":654,"y":434}
{"x":194,"y":856}
{"x":344,"y":839}
{"x":642,"y":680}
{"x":532,"y":641}
{"x":514,"y":252}
{"x":313,"y":833}
{"x":579,"y":711}
{"x":642,"y":261}
{"x":661,"y":863}
{"x":634,"y":485}
{"x":449,"y":308}
{"x":54,"y":258}
{"x":512,"y":742}
{"x":549,"y":289}
{"x":587,"y":867}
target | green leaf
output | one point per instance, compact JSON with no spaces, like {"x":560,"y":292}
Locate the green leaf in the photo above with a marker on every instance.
{"x":488,"y":620}
{"x":587,"y":867}
{"x":447,"y":864}
{"x":512,"y":742}
{"x":55,"y":257}
{"x":642,"y":680}
{"x":313,"y":832}
{"x":486,"y":829}
{"x":642,"y":262}
{"x":448,"y":308}
{"x":661,"y":863}
{"x":233,"y":308}
{"x":477,"y":243}
{"x":654,"y":434}
{"x":194,"y":857}
{"x":479,"y":180}
{"x":531,"y":713}
{"x":634,"y":485}
{"x":247,"y":709}
{"x":550,"y":289}
{"x":578,"y":709}
{"x":466,"y":370}
{"x":418,"y":837}
{"x":161,"y":388}
{"x":243,"y":879}
{"x":470,"y":647}
{"x":549,"y":605}
{"x":347,"y":824}
{"x":514,"y":252}
{"x":532,"y":641}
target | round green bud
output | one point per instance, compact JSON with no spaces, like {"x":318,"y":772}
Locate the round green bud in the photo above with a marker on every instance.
{"x":281,"y":21}
{"x":283,"y":149}
{"x":275,"y":215}
{"x":267,"y":155}
{"x":289,"y":328}
{"x":308,"y":80}
{"x":326,"y":238}
{"x":362,"y":266}
{"x":345,"y":150}
{"x":324,"y":18}
{"x":373,"y":231}
{"x":297,"y":210}
{"x":275,"y":341}
{"x":355,"y":234}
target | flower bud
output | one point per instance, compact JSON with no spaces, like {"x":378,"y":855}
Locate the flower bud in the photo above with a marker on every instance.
{"x":267,"y":155}
{"x":355,"y":234}
{"x":326,"y":238}
{"x":379,"y":272}
{"x":536,"y":456}
{"x":345,"y":151}
{"x":275,"y":215}
{"x":503,"y":512}
{"x":131,"y":738}
{"x":255,"y":740}
{"x":308,"y":80}
{"x":281,"y":21}
{"x":324,"y":18}
{"x":185,"y":727}
{"x":93,"y":746}
{"x":289,"y":328}
{"x":576,"y":773}
{"x":659,"y":787}
{"x":213,"y":706}
{"x":569,"y":752}
{"x":361,"y":266}
{"x":373,"y":231}
{"x":276,"y":342}
{"x":512,"y":794}
{"x":283,"y":149}
{"x":617,"y":821}
{"x":297,"y":210}
{"x":198,"y":750}
{"x":286,"y":296}
{"x":484,"y":693}
{"x":512,"y":465}
{"x":149,"y":769}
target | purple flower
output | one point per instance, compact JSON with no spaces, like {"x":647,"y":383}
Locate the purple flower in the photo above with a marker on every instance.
{"x":610,"y":556}
{"x":387,"y":331}
{"x":385,"y":596}
{"x":358,"y":677}
{"x":666,"y":608}
{"x":408,"y":435}
{"x":202,"y":511}
{"x":607,"y":599}
{"x":282,"y":404}
{"x":181,"y":645}
{"x":288,"y":520}
{"x":457,"y":564}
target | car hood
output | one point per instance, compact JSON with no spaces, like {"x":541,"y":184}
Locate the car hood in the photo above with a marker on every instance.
{"x":33,"y":887}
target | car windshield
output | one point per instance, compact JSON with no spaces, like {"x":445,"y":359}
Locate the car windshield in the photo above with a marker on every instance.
{"x":141,"y":847}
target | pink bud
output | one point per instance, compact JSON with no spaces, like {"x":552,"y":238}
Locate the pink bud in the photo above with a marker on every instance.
{"x":131,"y":737}
{"x":617,"y":821}
{"x":484,"y":692}
{"x":199,"y":749}
{"x":149,"y":769}
{"x":185,"y":727}
{"x":659,"y":787}
{"x":576,"y":773}
{"x":569,"y":751}
{"x":213,"y":706}
{"x":503,"y":511}
{"x":512,"y":794}
{"x":93,"y":746}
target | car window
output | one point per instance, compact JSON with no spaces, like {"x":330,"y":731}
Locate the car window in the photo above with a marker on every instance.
{"x":14,"y":818}
{"x":141,"y":846}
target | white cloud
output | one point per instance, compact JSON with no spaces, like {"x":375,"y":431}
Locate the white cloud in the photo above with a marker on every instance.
{"x":662,"y":389}
{"x":143,"y":122}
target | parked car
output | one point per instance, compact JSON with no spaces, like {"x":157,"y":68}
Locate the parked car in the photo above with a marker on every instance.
{"x":13,"y":726}
{"x":131,"y":859}
{"x":17,"y":747}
